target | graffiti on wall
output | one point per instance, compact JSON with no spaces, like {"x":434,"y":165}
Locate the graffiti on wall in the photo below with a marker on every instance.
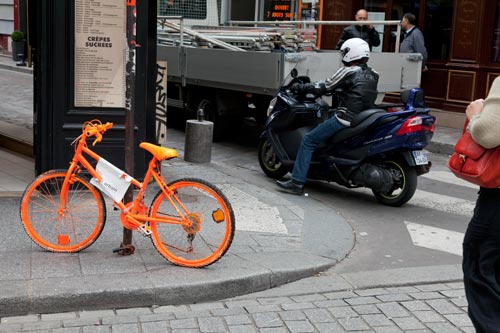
{"x":161,"y":102}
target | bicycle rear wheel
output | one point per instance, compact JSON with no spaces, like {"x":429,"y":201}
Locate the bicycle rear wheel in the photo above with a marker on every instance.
{"x":212,"y":223}
{"x":73,"y":230}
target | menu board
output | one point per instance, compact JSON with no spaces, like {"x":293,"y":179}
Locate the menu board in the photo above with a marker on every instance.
{"x":100,"y":53}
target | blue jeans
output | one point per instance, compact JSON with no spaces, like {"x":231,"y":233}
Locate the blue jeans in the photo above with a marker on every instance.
{"x":309,"y":143}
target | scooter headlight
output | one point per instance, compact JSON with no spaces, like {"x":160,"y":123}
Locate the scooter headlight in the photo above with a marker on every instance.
{"x":271,"y":106}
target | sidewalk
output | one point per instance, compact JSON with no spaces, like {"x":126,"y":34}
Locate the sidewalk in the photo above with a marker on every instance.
{"x":279,"y":239}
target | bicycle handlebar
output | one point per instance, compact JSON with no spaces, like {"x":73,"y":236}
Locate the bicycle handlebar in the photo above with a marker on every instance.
{"x":97,"y":130}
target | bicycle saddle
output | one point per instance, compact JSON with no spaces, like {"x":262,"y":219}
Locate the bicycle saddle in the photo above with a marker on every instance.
{"x":160,"y":153}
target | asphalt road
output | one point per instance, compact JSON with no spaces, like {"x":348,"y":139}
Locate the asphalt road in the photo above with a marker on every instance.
{"x":384,"y":234}
{"x":436,"y":216}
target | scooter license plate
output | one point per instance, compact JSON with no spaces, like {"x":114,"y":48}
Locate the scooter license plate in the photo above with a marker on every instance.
{"x":420,"y":157}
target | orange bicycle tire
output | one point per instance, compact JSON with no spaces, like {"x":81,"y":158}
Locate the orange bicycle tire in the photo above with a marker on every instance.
{"x":213,"y":224}
{"x":83,"y":220}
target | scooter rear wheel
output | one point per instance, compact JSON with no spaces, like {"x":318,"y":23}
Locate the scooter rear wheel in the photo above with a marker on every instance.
{"x":269,"y":162}
{"x":403,"y":189}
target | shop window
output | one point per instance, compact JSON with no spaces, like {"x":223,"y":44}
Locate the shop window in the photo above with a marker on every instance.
{"x":495,"y":47}
{"x":437,"y":28}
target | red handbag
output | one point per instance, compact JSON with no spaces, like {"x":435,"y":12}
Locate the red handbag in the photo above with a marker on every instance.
{"x":474,"y":163}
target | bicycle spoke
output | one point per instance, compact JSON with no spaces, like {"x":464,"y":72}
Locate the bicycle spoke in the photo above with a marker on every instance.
{"x":202,"y":238}
{"x":70,"y":230}
{"x":174,"y":247}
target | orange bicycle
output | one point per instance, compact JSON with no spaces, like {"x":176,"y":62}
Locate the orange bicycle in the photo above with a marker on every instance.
{"x":190,"y":221}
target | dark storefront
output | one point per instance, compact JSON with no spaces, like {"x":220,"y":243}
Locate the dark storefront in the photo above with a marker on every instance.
{"x":462,"y":39}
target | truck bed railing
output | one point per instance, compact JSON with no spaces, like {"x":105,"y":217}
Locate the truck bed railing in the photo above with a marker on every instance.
{"x":315,"y":23}
{"x":166,"y":22}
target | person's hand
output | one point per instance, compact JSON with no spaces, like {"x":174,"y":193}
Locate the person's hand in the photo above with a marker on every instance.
{"x":425,"y":69}
{"x":474,"y":108}
{"x":303,"y":88}
{"x":297,"y":88}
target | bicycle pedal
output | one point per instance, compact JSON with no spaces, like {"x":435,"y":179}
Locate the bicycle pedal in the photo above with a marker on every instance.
{"x":144,"y":230}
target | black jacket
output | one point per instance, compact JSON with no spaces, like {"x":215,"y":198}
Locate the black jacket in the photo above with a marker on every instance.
{"x":368,"y":35}
{"x":355,"y":86}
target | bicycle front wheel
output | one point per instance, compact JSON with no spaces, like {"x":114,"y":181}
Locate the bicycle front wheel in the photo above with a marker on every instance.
{"x":71,"y":229}
{"x":211,"y":223}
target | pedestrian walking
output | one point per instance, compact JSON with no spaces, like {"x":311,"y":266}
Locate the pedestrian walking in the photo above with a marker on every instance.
{"x":366,"y":32}
{"x":481,"y":246}
{"x":413,"y":40}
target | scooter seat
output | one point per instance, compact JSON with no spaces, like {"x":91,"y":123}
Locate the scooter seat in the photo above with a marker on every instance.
{"x":362,"y":116}
{"x":360,"y":122}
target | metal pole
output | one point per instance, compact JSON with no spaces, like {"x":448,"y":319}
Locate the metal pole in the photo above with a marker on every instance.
{"x":398,"y":38}
{"x":126,"y":248}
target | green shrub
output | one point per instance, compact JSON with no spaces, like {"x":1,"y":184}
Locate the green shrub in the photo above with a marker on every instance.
{"x":17,"y":36}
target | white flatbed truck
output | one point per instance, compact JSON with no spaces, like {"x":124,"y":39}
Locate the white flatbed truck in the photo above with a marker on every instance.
{"x":230,"y":85}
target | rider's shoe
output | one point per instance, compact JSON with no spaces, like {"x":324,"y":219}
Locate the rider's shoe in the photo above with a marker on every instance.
{"x":290,"y":186}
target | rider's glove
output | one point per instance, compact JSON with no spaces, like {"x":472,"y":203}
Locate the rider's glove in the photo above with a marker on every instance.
{"x":304,"y":89}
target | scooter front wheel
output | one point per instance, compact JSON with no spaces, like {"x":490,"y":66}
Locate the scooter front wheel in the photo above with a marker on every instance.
{"x":269,"y":161}
{"x":405,"y":184}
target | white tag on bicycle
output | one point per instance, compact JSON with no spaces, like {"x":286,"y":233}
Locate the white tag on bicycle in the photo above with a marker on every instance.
{"x":115,"y":182}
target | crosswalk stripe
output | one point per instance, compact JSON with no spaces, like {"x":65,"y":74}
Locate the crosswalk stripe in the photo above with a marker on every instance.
{"x":443,"y":203}
{"x":435,"y":238}
{"x":448,"y":177}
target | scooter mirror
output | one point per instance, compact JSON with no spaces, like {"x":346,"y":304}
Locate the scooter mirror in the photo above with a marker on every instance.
{"x":294,"y":73}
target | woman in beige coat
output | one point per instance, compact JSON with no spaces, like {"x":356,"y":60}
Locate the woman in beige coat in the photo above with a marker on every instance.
{"x":481,"y":247}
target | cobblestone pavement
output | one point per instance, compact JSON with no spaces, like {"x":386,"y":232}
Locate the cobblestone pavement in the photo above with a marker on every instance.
{"x":439,"y":308}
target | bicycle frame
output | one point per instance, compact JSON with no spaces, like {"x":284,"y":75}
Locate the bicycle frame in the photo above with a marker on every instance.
{"x":134,"y":211}
{"x":190,"y":221}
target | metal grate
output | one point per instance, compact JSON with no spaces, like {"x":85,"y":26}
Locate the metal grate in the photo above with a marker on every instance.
{"x":189,"y":9}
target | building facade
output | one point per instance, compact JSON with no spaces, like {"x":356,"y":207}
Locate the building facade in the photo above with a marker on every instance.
{"x":462,"y":38}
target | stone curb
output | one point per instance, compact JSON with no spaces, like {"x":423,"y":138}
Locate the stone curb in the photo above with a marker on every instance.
{"x":21,"y":69}
{"x":171,"y":285}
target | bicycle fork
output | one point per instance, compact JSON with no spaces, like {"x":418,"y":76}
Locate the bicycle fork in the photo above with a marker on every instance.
{"x":64,"y":238}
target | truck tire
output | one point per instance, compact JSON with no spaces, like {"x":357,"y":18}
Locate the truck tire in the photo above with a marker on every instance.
{"x":211,"y":114}
{"x":261,"y":105}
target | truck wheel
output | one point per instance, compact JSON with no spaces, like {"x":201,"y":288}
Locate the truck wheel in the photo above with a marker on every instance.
{"x":261,"y":105}
{"x":404,"y":188}
{"x":269,"y":162}
{"x":211,"y":114}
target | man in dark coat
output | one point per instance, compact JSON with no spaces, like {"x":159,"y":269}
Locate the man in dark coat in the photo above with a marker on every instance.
{"x":365,"y":32}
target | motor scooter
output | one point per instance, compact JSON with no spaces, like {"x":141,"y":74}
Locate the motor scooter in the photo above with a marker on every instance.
{"x":382,"y":149}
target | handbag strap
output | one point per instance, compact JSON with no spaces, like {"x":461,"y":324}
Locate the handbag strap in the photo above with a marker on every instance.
{"x":465,"y":125}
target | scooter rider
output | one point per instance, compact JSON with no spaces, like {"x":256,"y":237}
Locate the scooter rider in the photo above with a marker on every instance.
{"x":356,"y":86}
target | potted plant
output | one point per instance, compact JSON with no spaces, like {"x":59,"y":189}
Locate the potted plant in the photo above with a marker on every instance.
{"x":17,"y":44}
